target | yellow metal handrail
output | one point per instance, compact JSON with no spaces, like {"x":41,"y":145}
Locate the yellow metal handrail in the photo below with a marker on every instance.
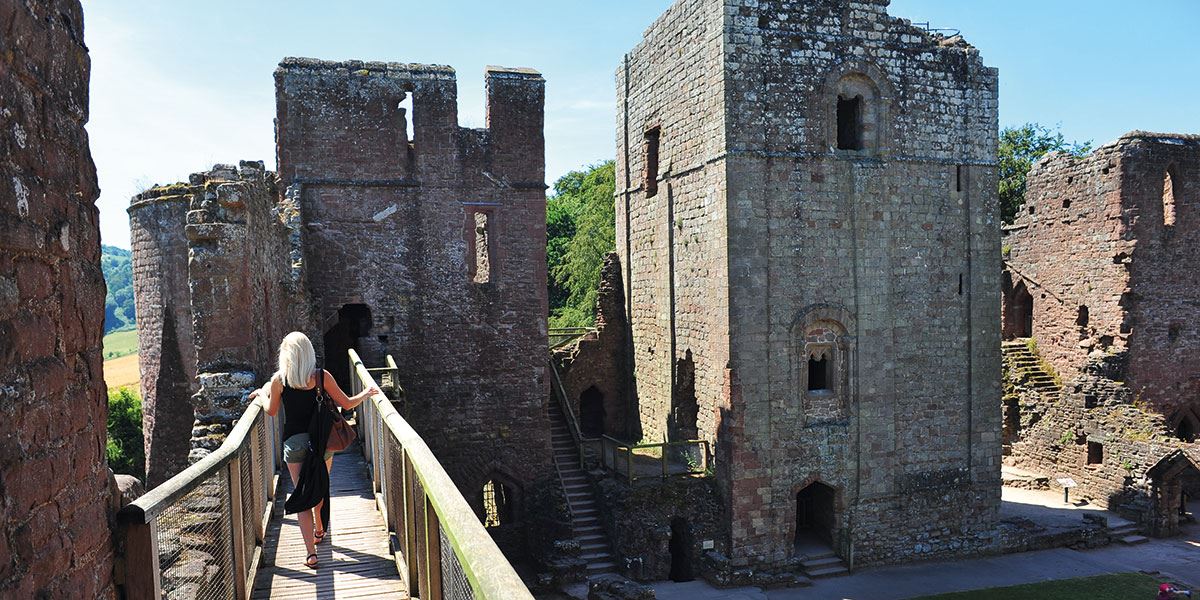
{"x":444,"y":551}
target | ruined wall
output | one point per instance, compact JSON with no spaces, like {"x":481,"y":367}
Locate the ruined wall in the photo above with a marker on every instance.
{"x":429,"y":247}
{"x":879,"y":259}
{"x":219,"y":254}
{"x":55,"y":540}
{"x":672,"y":241}
{"x":600,"y":359}
{"x":1105,"y":270}
{"x":166,"y":350}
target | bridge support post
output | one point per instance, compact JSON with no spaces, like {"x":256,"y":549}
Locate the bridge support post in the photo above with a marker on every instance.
{"x":237,"y":531}
{"x":143,"y":577}
{"x":433,"y":550}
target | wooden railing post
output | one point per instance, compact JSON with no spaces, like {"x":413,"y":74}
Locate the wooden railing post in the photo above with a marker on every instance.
{"x":143,"y":576}
{"x":237,"y":532}
{"x":433,"y":546}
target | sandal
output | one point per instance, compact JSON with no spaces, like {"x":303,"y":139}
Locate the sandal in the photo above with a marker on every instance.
{"x":319,"y":537}
{"x":311,"y":561}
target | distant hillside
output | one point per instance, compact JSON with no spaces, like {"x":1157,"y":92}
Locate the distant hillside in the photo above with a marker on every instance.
{"x":118,"y":274}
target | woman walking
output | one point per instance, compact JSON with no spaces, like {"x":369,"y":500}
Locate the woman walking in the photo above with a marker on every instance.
{"x":297,"y":386}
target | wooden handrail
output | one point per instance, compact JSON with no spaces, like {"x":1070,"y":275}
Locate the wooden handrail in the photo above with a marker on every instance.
{"x":485,"y":567}
{"x":154,"y":501}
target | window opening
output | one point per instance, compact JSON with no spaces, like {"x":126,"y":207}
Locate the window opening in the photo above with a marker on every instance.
{"x":1082,"y":318}
{"x":406,"y":116}
{"x":1095,"y":453}
{"x":958,"y":179}
{"x":651,"y":174}
{"x":850,"y":123}
{"x":482,"y":248}
{"x":818,"y":374}
{"x":591,"y":412}
{"x":1168,"y":198}
{"x":497,"y":504}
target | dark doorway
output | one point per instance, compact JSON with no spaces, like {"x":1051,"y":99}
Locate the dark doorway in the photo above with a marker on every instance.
{"x":1018,"y":313}
{"x":814,"y":514}
{"x":354,"y":322}
{"x":591,"y":412}
{"x":684,"y":408}
{"x":1012,"y":421}
{"x":850,"y":123}
{"x":680,"y":546}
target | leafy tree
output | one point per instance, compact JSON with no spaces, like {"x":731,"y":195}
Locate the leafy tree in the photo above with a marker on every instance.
{"x":580,"y":230}
{"x":1020,"y":148}
{"x":126,"y":450}
{"x":117,"y":267}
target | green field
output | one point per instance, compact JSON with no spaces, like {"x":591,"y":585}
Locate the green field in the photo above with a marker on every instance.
{"x":1120,"y":586}
{"x":120,"y":343}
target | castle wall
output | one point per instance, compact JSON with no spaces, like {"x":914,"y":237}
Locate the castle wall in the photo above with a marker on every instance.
{"x":880,"y":261}
{"x":672,"y":242}
{"x":439,"y":240}
{"x":55,"y":539}
{"x":216,"y":267}
{"x":1107,"y":274}
{"x":166,"y":350}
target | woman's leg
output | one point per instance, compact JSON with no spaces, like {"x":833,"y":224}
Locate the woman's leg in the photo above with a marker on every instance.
{"x":304,"y":517}
{"x":317,"y":511}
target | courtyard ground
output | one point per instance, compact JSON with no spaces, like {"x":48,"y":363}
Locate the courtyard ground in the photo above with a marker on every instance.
{"x":1177,"y":559}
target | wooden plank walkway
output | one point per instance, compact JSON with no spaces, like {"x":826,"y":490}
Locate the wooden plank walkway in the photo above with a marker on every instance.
{"x":355,"y":561}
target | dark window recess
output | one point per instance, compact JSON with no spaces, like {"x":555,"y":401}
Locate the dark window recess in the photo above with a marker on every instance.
{"x":1090,"y":401}
{"x":958,"y":178}
{"x":651,"y":174}
{"x":1066,"y":204}
{"x":1082,"y":318}
{"x":960,"y":289}
{"x":818,"y":374}
{"x":1095,"y":452}
{"x":1173,"y":332}
{"x":850,"y":123}
{"x":1186,"y":431}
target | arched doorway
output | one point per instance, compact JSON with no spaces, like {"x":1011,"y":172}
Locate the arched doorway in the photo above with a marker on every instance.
{"x":1018,"y":313}
{"x":681,"y":544}
{"x":591,"y":412}
{"x":354,"y":322}
{"x":815,"y":518}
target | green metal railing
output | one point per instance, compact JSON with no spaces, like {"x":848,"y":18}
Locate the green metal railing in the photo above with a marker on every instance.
{"x":561,"y":336}
{"x":665,"y":459}
{"x":442,"y":550}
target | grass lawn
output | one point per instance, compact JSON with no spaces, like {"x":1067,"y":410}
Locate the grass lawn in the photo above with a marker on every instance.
{"x":1119,"y":586}
{"x":120,"y":343}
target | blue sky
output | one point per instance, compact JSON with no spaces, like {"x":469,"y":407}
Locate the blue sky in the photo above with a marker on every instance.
{"x":180,"y":86}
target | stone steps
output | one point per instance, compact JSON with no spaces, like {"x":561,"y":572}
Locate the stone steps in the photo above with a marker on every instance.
{"x":586,"y":528}
{"x":1133,"y":540}
{"x":820,"y":566}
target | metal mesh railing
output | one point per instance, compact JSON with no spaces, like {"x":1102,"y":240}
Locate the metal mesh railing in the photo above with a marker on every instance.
{"x":443,"y":548}
{"x":199,"y":534}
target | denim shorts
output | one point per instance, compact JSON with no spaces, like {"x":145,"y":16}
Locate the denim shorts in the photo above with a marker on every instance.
{"x":295,"y":449}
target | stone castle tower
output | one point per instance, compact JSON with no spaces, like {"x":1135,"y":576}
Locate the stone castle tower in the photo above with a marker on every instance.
{"x":808,"y":224}
{"x":427,"y":241}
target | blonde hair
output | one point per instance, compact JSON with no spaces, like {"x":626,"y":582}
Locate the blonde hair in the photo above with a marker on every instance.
{"x":297,"y":360}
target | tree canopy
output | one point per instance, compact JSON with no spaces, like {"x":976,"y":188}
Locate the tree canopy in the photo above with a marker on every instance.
{"x":1020,"y":148}
{"x":580,"y":231}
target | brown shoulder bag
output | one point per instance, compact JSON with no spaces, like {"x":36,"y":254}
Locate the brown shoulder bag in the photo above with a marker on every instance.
{"x":341,"y":434}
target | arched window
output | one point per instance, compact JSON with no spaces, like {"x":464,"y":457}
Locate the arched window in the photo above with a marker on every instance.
{"x":821,"y":364}
{"x":1168,"y":198}
{"x":856,"y":114}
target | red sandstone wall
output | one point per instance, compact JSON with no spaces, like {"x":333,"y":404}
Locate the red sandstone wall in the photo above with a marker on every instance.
{"x":54,"y":536}
{"x":389,"y":223}
{"x":1092,"y":235}
{"x":166,"y":351}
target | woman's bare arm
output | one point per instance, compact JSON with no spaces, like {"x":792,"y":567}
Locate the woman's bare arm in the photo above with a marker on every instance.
{"x":339,"y":397}
{"x":270,"y":397}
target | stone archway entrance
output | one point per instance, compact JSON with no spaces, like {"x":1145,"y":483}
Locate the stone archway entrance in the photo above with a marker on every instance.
{"x":354,"y":322}
{"x":591,"y":412}
{"x":680,"y":545}
{"x":1018,"y":313}
{"x":1170,"y":477}
{"x":815,"y":516}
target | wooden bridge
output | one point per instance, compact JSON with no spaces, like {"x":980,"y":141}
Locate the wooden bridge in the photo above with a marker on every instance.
{"x":399,"y":526}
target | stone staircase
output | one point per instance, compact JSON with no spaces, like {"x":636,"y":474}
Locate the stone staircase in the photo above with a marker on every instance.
{"x":1125,"y":531}
{"x":820,"y":565}
{"x":595,"y":547}
{"x":1027,"y":368}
